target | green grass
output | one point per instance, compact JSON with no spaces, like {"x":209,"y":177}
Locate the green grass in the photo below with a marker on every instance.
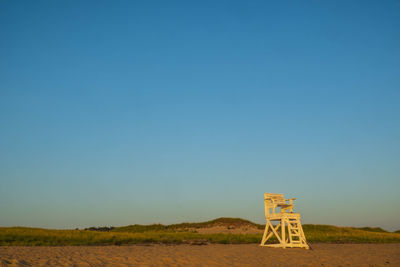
{"x":181,"y":234}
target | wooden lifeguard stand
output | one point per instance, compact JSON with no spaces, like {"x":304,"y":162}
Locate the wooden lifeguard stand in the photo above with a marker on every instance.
{"x":291,"y":233}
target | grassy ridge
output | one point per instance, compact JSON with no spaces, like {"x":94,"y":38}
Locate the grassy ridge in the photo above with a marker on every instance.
{"x":138,"y":228}
{"x":182,"y":233}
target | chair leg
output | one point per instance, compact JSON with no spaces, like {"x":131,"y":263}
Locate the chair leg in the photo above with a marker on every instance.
{"x":264,"y":239}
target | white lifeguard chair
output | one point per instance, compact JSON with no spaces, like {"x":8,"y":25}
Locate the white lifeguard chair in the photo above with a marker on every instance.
{"x":291,"y":233}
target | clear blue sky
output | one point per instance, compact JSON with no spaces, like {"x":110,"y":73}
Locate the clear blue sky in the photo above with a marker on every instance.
{"x":122,"y":112}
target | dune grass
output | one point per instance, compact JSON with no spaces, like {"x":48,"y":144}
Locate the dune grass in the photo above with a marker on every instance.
{"x":335,"y":234}
{"x":21,"y":236}
{"x":184,"y":233}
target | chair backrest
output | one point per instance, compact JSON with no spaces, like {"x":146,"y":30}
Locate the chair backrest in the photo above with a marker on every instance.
{"x":272,"y":199}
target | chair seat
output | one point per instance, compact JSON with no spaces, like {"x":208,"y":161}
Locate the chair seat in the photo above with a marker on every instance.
{"x":283,"y":215}
{"x":285,"y":205}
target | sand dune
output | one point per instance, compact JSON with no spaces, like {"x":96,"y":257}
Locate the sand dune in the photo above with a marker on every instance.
{"x":207,"y":255}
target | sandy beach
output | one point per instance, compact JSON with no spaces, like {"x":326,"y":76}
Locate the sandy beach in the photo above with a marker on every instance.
{"x":204,"y":255}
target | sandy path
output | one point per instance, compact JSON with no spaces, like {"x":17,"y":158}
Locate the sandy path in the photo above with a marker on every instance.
{"x":208,"y":255}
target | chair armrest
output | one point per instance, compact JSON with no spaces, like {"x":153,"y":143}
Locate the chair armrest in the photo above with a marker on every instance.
{"x":291,"y":201}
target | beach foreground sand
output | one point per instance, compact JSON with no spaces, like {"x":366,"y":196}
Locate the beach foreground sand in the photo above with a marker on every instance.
{"x":204,"y":255}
